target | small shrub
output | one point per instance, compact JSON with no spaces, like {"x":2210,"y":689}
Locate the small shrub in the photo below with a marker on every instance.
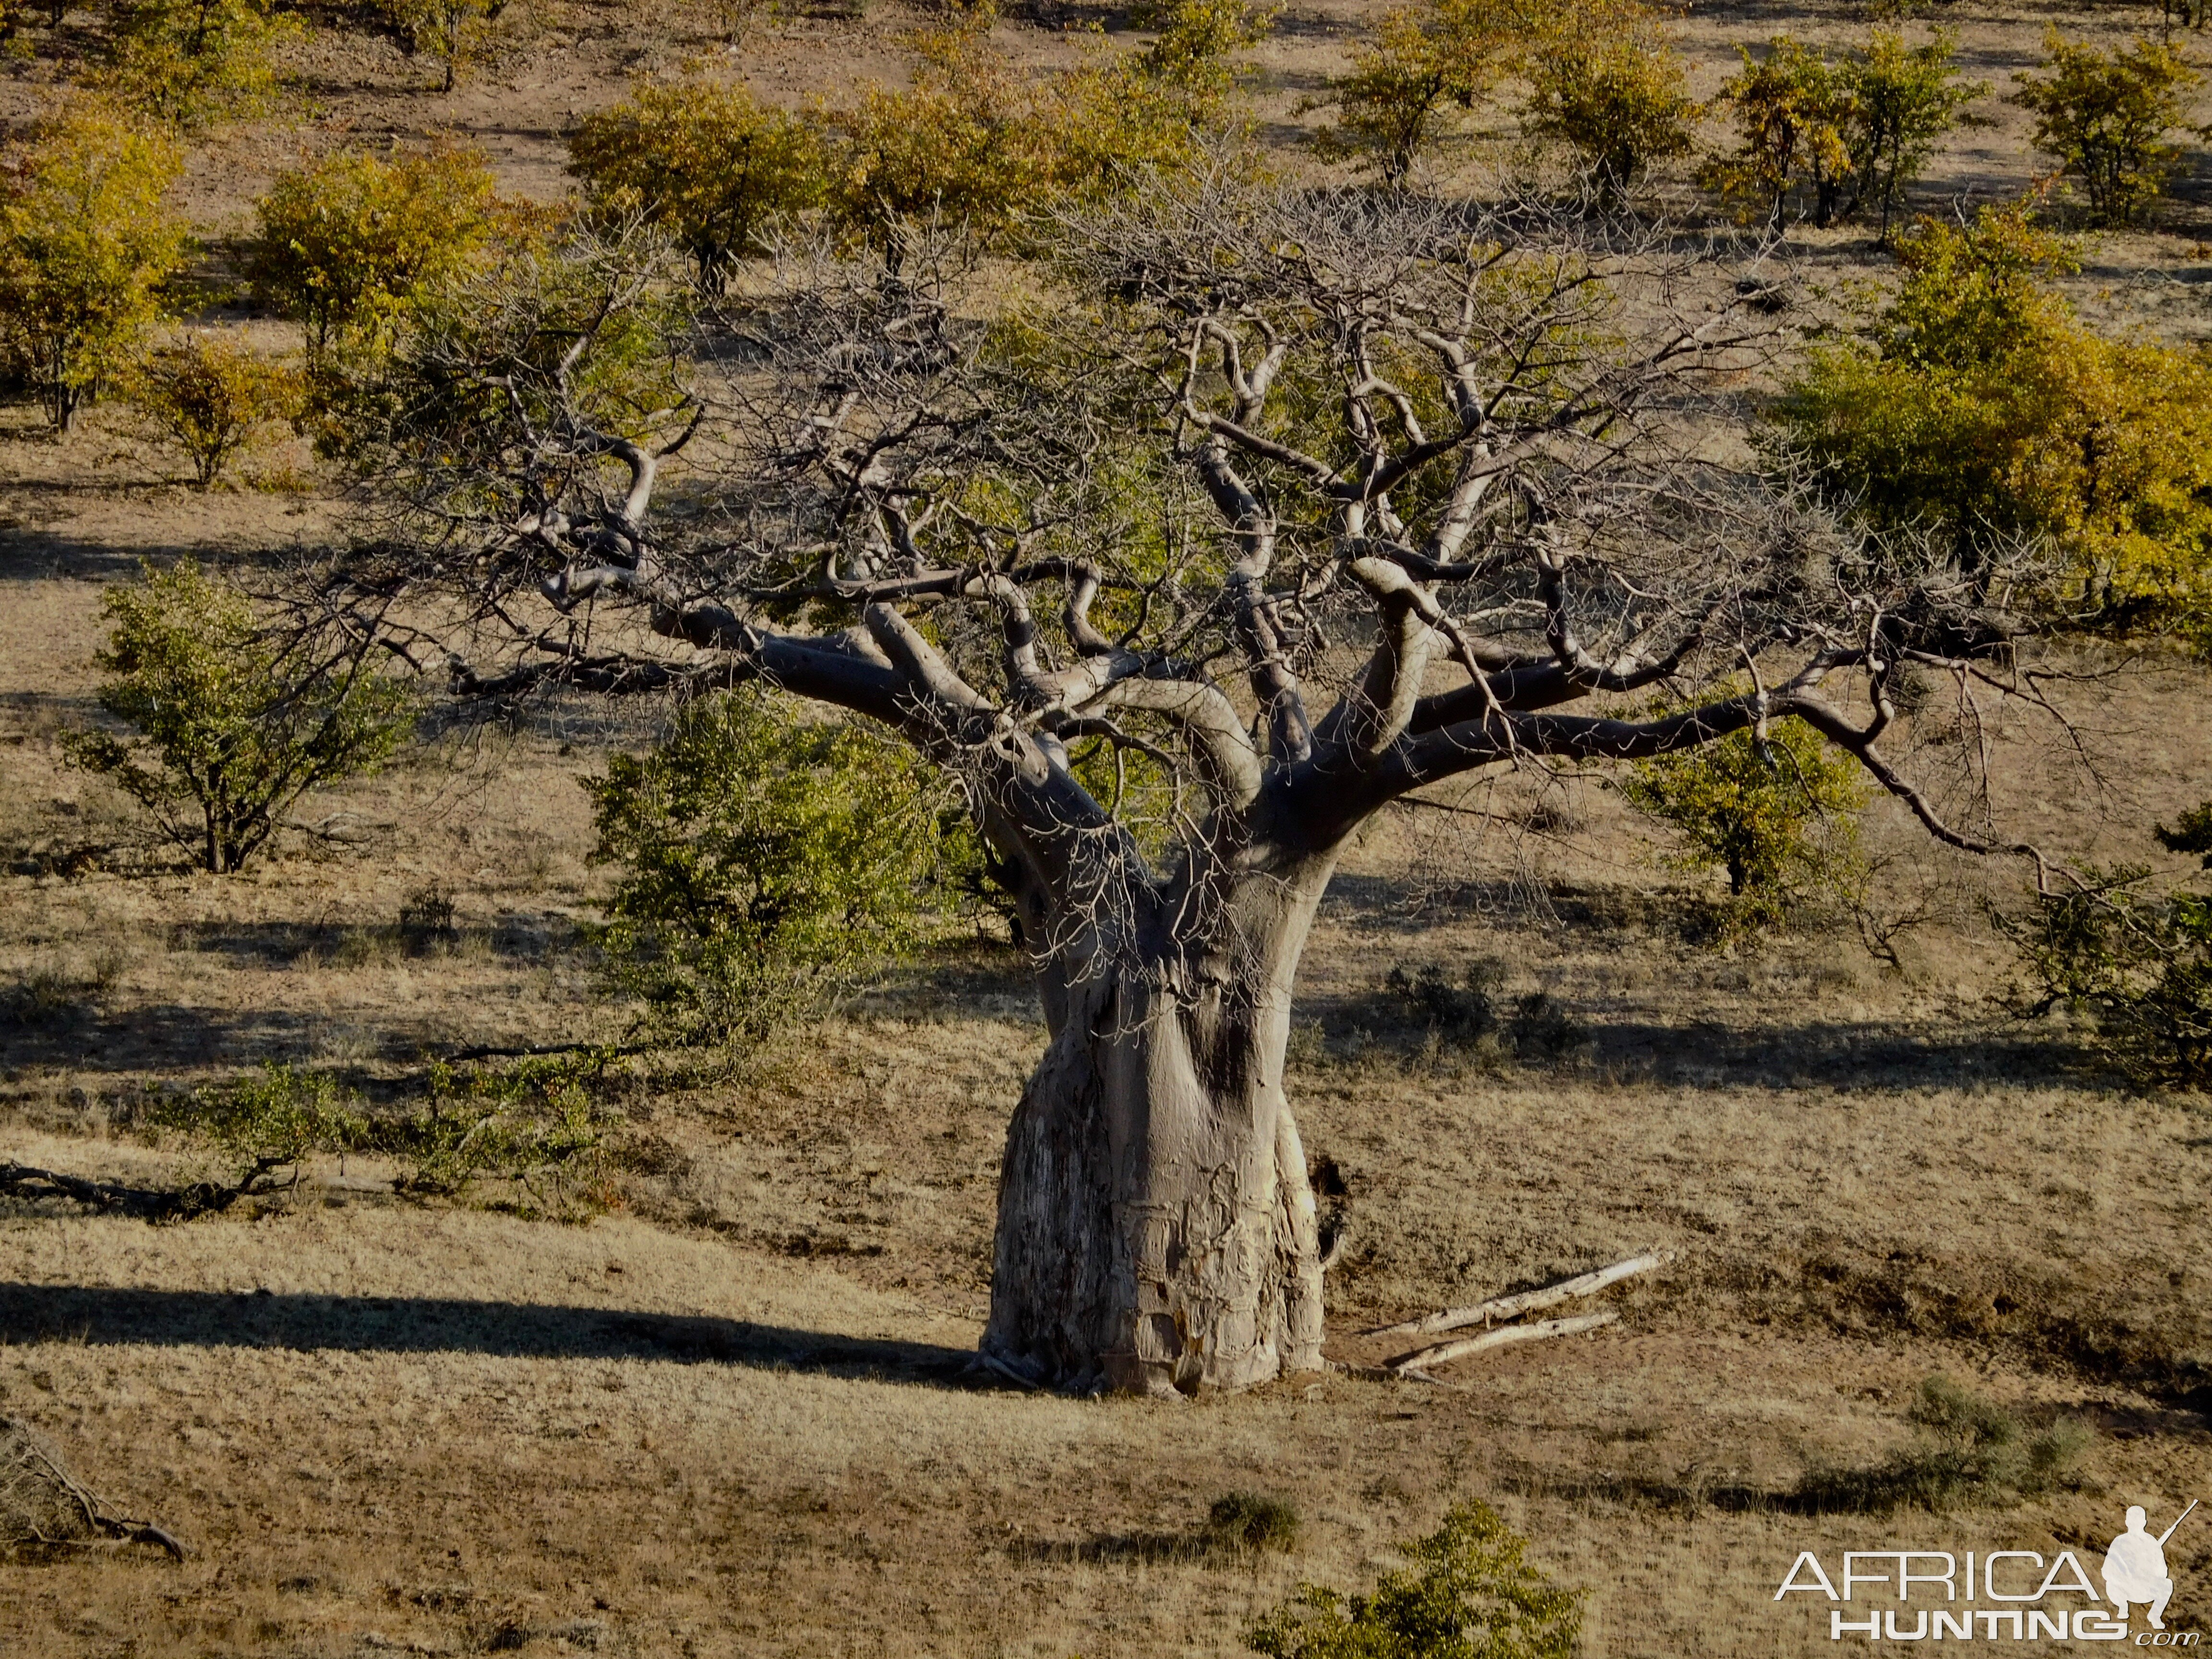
{"x":1541,"y":1029}
{"x":267,"y":1122}
{"x":452,"y":32}
{"x":1972,"y":1453}
{"x":769,"y":863}
{"x":215,"y":397}
{"x":85,"y":243}
{"x":705,"y":160}
{"x":1198,"y":42}
{"x":536,"y":1123}
{"x":1251,"y":1523}
{"x":1792,"y":108}
{"x":190,"y":63}
{"x":1421,"y":61}
{"x":1903,"y":100}
{"x":1458,"y":1014}
{"x":2137,"y":958}
{"x":1606,"y":83}
{"x":2104,"y":117}
{"x":233,"y":725}
{"x":343,"y":244}
{"x":1779,"y":819}
{"x":1468,"y":1594}
{"x":426,"y":917}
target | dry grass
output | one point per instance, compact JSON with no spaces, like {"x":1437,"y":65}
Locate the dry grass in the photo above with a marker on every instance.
{"x":734,"y":1417}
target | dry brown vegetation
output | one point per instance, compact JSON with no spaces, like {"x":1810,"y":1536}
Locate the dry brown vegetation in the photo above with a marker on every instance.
{"x":734,"y":1414}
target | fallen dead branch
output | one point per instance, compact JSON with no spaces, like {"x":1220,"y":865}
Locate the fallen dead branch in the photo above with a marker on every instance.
{"x":1500,"y":1308}
{"x":1415,"y":1364}
{"x":43,"y":1508}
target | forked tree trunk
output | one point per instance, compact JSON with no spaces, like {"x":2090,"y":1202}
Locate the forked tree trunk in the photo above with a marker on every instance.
{"x":1157,"y":1232}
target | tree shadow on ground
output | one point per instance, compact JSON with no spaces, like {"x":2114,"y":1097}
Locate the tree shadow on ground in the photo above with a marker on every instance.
{"x":102,"y":1317}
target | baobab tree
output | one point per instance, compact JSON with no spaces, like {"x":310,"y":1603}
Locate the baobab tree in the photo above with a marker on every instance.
{"x":1261,"y":513}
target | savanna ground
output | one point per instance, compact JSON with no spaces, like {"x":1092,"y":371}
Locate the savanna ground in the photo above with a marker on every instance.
{"x":732,"y":1414}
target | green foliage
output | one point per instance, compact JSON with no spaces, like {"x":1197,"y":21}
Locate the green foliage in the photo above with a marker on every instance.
{"x":1199,"y":41}
{"x":1422,"y":62}
{"x":1252,"y":1522}
{"x":1793,"y":108}
{"x":267,"y":1122}
{"x":1606,"y":82}
{"x":1780,"y":818}
{"x":85,"y":244}
{"x":975,"y":142}
{"x":190,"y":63}
{"x":214,"y":396}
{"x":1972,"y":1452}
{"x":1905,"y":100}
{"x":705,"y":160}
{"x":2104,"y":117}
{"x":769,"y":862}
{"x":234,"y":723}
{"x":2134,"y":955}
{"x":452,"y":32}
{"x":1851,"y":134}
{"x":344,"y":243}
{"x":1980,"y":411}
{"x":1468,"y":1594}
{"x":537,"y":1123}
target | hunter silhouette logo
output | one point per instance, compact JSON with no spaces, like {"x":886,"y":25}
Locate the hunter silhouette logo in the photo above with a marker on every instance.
{"x":2134,"y":1567}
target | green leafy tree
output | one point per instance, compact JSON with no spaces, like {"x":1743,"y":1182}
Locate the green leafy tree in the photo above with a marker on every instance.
{"x":1468,"y":1594}
{"x":1979,"y":412}
{"x":85,"y":244}
{"x":1903,"y":100}
{"x":1199,"y":41}
{"x":1422,"y":62}
{"x":1606,"y":82}
{"x":452,"y":32}
{"x":214,"y":396}
{"x":233,"y":723}
{"x":975,"y":142}
{"x":768,"y":862}
{"x":705,"y":160}
{"x":2105,"y":117}
{"x":1778,"y":818}
{"x":1793,"y":110}
{"x":344,"y":244}
{"x":193,"y":62}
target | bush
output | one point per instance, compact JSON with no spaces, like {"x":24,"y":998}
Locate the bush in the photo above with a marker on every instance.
{"x":704,"y":160}
{"x":769,"y":863}
{"x":536,"y":1123}
{"x":1780,"y":819}
{"x":1979,"y":412}
{"x":1904,"y":98}
{"x":214,"y":396}
{"x":344,"y":244}
{"x":1604,"y":82}
{"x":1973,"y":1452}
{"x":264,"y":1123}
{"x":85,"y":246}
{"x":193,"y":62}
{"x":2137,"y":958}
{"x":1852,"y":134}
{"x":1421,"y":61}
{"x":1198,"y":43}
{"x":1251,"y":1522}
{"x":1469,"y":1594}
{"x":453,"y":32}
{"x":1792,"y":110}
{"x":234,"y":724}
{"x":1458,"y":1014}
{"x":2104,"y":117}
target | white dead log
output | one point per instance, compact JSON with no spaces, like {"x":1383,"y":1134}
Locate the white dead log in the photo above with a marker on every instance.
{"x":1416,"y":1365}
{"x":1509,"y":1307}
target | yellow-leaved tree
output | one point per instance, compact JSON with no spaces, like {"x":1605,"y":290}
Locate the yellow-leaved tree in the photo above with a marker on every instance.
{"x":1977,"y":408}
{"x":85,"y":243}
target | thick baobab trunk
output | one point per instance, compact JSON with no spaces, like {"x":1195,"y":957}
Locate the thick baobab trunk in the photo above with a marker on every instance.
{"x":1157,"y":1232}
